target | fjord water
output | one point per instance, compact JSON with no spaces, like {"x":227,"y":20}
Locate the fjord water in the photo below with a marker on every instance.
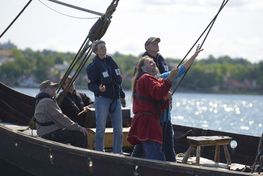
{"x":224,"y":112}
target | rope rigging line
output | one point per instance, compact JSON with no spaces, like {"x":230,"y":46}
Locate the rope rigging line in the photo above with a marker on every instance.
{"x":71,"y":16}
{"x":96,"y":32}
{"x":207,"y":31}
{"x":15,"y":18}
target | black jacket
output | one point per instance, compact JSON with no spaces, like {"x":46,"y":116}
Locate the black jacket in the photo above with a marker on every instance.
{"x":72,"y":104}
{"x":105,"y":71}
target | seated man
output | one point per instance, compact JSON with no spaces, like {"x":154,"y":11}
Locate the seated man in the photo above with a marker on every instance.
{"x":51,"y":123}
{"x":73,"y":103}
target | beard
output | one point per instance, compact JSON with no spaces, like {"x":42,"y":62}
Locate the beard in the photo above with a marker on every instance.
{"x":152,"y":71}
{"x":155,"y":71}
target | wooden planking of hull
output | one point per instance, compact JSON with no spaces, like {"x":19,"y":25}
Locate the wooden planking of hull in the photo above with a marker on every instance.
{"x":40,"y":157}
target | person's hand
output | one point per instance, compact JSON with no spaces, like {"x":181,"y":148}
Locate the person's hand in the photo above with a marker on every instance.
{"x":83,"y":130}
{"x":102,"y":88}
{"x":85,"y":109}
{"x":123,"y":102}
{"x":198,"y":50}
{"x":168,"y":96}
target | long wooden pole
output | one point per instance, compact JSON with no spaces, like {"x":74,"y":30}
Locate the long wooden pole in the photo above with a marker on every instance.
{"x":76,"y":7}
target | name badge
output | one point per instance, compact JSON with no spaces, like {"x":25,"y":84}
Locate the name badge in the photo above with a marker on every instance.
{"x":166,"y":68}
{"x":117,"y":71}
{"x":105,"y":74}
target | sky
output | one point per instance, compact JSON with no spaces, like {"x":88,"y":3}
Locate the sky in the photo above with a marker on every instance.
{"x":237,"y":32}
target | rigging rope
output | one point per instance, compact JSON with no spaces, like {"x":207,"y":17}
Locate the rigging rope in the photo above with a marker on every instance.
{"x":96,"y":32}
{"x":15,"y":18}
{"x":207,"y":31}
{"x":71,"y":16}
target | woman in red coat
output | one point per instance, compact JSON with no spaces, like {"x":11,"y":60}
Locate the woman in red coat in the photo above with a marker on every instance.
{"x":149,"y":95}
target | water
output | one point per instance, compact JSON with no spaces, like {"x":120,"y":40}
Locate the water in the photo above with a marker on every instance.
{"x":232,"y":113}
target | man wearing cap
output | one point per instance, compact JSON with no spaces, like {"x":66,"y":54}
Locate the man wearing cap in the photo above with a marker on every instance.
{"x":73,"y":103}
{"x":152,"y":50}
{"x":105,"y":82}
{"x":51,"y":123}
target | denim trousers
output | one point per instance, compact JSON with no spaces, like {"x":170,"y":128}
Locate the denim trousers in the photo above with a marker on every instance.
{"x":148,"y":150}
{"x":104,"y":108}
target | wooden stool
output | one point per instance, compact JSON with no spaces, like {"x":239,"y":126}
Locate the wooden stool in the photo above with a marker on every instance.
{"x":200,"y":141}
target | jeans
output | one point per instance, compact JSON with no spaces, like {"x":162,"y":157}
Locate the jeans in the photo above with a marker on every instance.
{"x":148,"y":150}
{"x":168,"y":141}
{"x":105,"y":107}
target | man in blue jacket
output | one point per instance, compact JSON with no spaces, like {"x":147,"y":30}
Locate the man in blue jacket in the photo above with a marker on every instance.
{"x":105,"y":82}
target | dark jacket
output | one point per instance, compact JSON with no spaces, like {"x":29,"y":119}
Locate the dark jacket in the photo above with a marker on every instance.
{"x":105,"y":71}
{"x":72,"y":104}
{"x":160,"y":62}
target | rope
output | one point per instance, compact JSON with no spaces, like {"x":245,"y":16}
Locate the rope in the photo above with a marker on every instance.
{"x":84,"y":53}
{"x":71,"y":16}
{"x":15,"y":18}
{"x":207,"y":31}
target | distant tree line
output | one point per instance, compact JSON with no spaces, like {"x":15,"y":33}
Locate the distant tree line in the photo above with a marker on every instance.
{"x":217,"y":75}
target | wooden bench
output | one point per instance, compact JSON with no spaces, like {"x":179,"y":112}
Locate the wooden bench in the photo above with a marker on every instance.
{"x":201,"y":141}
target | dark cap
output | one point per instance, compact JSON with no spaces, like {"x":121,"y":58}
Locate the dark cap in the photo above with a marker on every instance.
{"x":151,"y":40}
{"x":95,"y":44}
{"x":46,"y":84}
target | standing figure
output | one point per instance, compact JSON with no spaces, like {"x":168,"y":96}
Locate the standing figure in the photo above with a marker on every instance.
{"x":105,"y":82}
{"x":152,"y":50}
{"x":149,"y":98}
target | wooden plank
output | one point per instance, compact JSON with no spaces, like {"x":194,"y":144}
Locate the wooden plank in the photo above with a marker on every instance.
{"x":208,"y":140}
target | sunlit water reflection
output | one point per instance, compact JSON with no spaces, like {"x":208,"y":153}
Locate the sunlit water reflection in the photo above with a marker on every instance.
{"x":232,"y":113}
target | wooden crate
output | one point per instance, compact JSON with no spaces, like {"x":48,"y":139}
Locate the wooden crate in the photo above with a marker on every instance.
{"x":108,"y":138}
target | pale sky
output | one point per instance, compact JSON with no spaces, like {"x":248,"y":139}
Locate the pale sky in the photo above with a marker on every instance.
{"x":238,"y":31}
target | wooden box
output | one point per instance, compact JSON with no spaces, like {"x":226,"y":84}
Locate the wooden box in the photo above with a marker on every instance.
{"x":108,"y":138}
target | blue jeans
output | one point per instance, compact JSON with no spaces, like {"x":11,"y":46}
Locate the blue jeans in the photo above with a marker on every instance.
{"x":148,"y":150}
{"x":105,"y":107}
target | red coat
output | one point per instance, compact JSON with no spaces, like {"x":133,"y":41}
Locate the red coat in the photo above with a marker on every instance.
{"x":146,"y":121}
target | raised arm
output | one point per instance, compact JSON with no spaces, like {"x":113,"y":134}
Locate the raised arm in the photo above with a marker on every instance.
{"x":189,"y":62}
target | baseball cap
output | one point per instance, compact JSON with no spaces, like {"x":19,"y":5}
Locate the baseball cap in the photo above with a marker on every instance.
{"x":151,"y":40}
{"x":46,"y":84}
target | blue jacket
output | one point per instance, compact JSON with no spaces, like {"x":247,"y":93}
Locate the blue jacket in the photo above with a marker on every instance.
{"x":105,"y":71}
